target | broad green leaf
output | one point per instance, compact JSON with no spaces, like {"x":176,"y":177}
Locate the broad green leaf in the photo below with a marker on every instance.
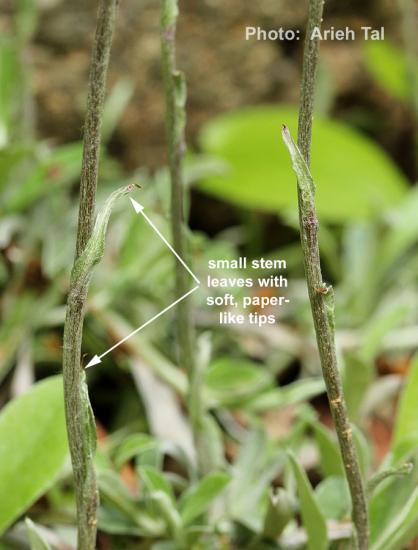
{"x":354,"y":177}
{"x":405,"y":434}
{"x":198,"y":498}
{"x":313,"y":520}
{"x":36,"y":539}
{"x":388,"y":66}
{"x":333,"y":498}
{"x":33,"y":447}
{"x":330,"y":457}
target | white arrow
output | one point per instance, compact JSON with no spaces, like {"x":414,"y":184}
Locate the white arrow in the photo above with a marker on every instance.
{"x":98,"y":358}
{"x":140,"y":210}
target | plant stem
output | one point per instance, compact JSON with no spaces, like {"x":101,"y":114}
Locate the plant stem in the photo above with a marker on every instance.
{"x":175,"y":97}
{"x":175,"y":93}
{"x":79,"y":416}
{"x":402,"y":470}
{"x":319,"y":293}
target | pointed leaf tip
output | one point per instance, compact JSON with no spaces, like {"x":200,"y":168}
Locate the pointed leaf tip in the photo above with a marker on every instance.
{"x":137,"y":207}
{"x":94,"y":361}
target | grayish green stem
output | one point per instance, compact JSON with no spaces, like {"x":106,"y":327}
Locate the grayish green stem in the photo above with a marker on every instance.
{"x":79,"y":416}
{"x":321,"y":295}
{"x":175,"y":95}
{"x":402,"y":470}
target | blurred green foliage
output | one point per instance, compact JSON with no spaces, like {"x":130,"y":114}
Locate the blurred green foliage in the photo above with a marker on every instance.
{"x":252,"y":496}
{"x":389,"y":67}
{"x":355,"y":178}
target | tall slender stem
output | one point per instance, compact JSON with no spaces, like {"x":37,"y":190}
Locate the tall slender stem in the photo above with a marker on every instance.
{"x":320,"y":294}
{"x":79,"y":417}
{"x":175,"y":94}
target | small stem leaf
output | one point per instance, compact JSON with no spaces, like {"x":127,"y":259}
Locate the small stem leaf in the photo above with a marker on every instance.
{"x":304,"y":177}
{"x":94,"y":249}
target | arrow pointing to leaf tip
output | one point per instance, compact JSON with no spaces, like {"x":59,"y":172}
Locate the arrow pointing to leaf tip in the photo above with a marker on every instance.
{"x":139,"y":209}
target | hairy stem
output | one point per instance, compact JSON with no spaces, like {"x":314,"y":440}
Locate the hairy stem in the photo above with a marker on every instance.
{"x":79,"y":416}
{"x":175,"y":96}
{"x":175,"y":93}
{"x":321,"y":295}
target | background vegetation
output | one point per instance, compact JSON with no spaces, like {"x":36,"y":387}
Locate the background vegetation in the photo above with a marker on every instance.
{"x":259,"y":392}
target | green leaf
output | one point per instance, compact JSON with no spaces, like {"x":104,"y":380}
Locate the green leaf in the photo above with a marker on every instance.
{"x":260,"y":176}
{"x":388,"y":66}
{"x":167,"y":510}
{"x":312,"y":517}
{"x":198,"y":498}
{"x":405,"y":434}
{"x":357,"y":375}
{"x":384,"y":320}
{"x":402,"y":529}
{"x":363,"y":449}
{"x":115,"y":106}
{"x":388,"y":501}
{"x":280,"y":511}
{"x":37,"y":541}
{"x":230,"y":381}
{"x":94,"y":249}
{"x":330,"y":457}
{"x":33,"y":447}
{"x":54,"y":170}
{"x":120,"y":513}
{"x":291,"y":394}
{"x":210,"y":444}
{"x":333,"y":498}
{"x":155,"y":480}
{"x":132,"y":446}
